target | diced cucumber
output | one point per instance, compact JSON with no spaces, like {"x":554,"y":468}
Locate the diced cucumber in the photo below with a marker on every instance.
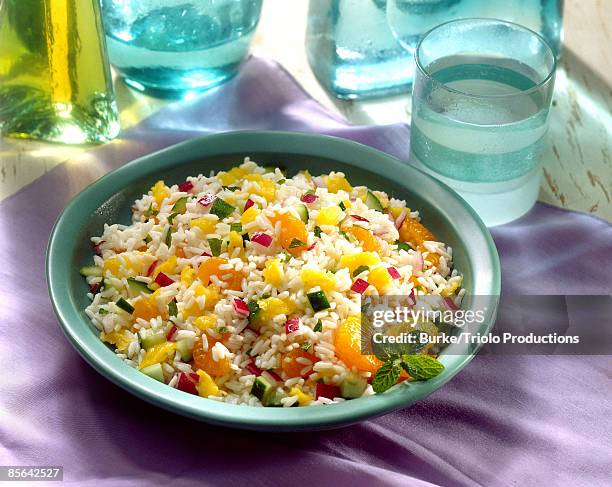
{"x":274,"y":399}
{"x":172,"y":308}
{"x":318,"y":301}
{"x":403,"y":245}
{"x":215,"y":246}
{"x":373,"y":202}
{"x":181,"y":205}
{"x":352,"y":386}
{"x":185,"y":348}
{"x":236,"y":227}
{"x":135,"y":287}
{"x":108,"y":283}
{"x":302,"y":212}
{"x":152,"y":340}
{"x":263,"y":389}
{"x":221,"y":208}
{"x":154,"y":371}
{"x":124,"y":305}
{"x":91,"y":271}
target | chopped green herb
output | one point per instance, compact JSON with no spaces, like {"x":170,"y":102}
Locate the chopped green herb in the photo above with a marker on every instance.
{"x":281,"y":181}
{"x":318,"y":231}
{"x":148,"y":238}
{"x":402,"y":245}
{"x":220,"y":329}
{"x":344,"y":234}
{"x":103,"y":311}
{"x":231,"y":188}
{"x":125,"y":306}
{"x":245,"y":237}
{"x":310,"y":191}
{"x":172,"y":308}
{"x":181,"y":205}
{"x":248,"y":352}
{"x":253,"y":309}
{"x":296,"y":243}
{"x":318,"y":327}
{"x":168,"y":239}
{"x":221,"y":208}
{"x":287,"y":257}
{"x":360,"y":269}
{"x":318,"y":300}
{"x":236,"y":227}
{"x":215,"y":246}
{"x":342,"y":207}
{"x":150,"y":212}
{"x":306,"y":346}
{"x":172,"y":217}
{"x":265,"y":295}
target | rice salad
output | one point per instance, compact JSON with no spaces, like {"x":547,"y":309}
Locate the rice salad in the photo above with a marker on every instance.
{"x":246,"y":286}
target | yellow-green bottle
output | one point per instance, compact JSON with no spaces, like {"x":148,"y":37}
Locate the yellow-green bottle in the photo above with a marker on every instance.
{"x":55,"y":79}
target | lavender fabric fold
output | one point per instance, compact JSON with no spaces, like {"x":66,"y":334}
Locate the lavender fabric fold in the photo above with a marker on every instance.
{"x":504,"y":420}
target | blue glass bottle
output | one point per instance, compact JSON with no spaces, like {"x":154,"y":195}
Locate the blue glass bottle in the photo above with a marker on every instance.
{"x":352,"y":51}
{"x":353,"y":46}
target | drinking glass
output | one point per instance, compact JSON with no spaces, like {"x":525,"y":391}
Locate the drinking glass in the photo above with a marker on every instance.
{"x":480,"y":107}
{"x":174,"y":47}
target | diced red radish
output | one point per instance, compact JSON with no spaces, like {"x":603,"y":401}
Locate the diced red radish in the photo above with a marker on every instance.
{"x":187,"y":383}
{"x":152,"y":267}
{"x":186,"y":186}
{"x":96,"y":248}
{"x":171,"y":333}
{"x":309,"y":198}
{"x":206,"y":254}
{"x":360,"y":286}
{"x":292,"y":325}
{"x":312,"y":246}
{"x":253,"y":369}
{"x":206,"y":200}
{"x":163,"y":280}
{"x":360,"y":218}
{"x":262,"y":239}
{"x":248,"y":204}
{"x":450,"y":304}
{"x":412,"y":296}
{"x":400,"y":219}
{"x":393,"y":272}
{"x":327,"y":390}
{"x":272,"y":375}
{"x":95,"y":288}
{"x":241,"y":307}
{"x":417,"y":262}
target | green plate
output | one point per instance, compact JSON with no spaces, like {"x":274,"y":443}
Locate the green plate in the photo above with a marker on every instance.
{"x":109,"y":199}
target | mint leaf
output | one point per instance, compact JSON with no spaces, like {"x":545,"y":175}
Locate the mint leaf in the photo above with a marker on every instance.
{"x":318,"y":327}
{"x":421,"y":367}
{"x":387,"y":375}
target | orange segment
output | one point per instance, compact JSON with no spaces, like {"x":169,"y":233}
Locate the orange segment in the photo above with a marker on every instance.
{"x":415,"y":234}
{"x":368,"y":242}
{"x":204,"y":360}
{"x":146,"y":309}
{"x":291,"y":228}
{"x":292,"y":367}
{"x":348,"y":346}
{"x":211,"y":267}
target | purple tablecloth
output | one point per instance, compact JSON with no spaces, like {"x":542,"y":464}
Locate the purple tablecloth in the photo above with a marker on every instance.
{"x":504,"y":420}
